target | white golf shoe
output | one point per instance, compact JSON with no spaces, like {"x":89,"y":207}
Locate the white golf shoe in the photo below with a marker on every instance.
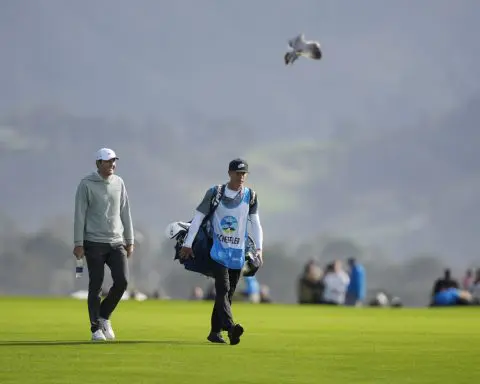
{"x":98,"y":336}
{"x":106,"y":327}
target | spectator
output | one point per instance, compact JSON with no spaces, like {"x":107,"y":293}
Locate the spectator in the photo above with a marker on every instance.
{"x":356,"y":290}
{"x":265,"y":294}
{"x":197,"y":293}
{"x":468,"y":280}
{"x":310,"y":285}
{"x":336,"y":282}
{"x":449,"y":296}
{"x":444,"y":283}
{"x":476,"y":287}
{"x":252,"y":289}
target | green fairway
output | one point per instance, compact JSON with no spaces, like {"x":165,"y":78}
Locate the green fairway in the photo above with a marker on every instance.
{"x":47,"y":341}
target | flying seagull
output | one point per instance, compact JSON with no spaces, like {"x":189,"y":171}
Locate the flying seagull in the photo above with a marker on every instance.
{"x":302,"y":47}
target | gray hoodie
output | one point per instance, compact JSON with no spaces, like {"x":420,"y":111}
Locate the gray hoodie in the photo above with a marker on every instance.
{"x":102,"y":211}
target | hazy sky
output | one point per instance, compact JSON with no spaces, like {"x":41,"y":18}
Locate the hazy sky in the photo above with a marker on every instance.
{"x":386,"y":65}
{"x":384,"y":61}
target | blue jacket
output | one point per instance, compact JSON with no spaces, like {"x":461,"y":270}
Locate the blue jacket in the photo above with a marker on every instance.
{"x":357,"y":286}
{"x":448,"y":296}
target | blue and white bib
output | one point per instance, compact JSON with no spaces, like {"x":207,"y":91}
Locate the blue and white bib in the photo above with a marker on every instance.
{"x":229,"y":225}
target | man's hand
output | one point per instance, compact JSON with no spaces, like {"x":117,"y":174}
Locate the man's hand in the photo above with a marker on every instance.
{"x":260,"y":256}
{"x":129,"y":248}
{"x":186,"y":253}
{"x":78,"y":252}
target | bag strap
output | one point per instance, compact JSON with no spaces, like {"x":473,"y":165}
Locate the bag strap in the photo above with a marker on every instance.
{"x":219,"y":190}
{"x":217,"y":197}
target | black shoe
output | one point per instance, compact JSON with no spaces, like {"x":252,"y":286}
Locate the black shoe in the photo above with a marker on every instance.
{"x":234,"y":334}
{"x":215,"y":337}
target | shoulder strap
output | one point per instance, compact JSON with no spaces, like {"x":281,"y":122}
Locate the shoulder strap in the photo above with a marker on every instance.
{"x":216,"y":198}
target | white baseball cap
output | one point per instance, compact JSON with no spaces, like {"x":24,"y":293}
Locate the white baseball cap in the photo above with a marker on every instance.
{"x":105,"y":154}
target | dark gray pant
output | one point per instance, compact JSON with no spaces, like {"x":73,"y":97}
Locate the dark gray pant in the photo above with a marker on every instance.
{"x":226,"y":281}
{"x":97,"y":255}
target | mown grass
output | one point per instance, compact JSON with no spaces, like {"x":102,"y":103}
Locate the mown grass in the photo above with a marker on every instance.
{"x":47,"y":341}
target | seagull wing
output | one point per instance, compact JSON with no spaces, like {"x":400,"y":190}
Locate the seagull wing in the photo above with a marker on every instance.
{"x":297,"y":42}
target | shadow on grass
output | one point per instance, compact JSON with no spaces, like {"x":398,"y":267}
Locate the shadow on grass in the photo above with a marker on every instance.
{"x":43,"y":343}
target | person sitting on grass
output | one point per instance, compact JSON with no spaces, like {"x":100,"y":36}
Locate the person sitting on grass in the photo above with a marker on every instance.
{"x":450,"y":297}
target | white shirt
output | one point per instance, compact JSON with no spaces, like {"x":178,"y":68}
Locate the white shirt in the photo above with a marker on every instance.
{"x":336,"y":284}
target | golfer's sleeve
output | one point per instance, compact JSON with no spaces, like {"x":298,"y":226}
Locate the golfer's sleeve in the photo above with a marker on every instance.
{"x":257,"y":230}
{"x":194,"y":227}
{"x":126,"y":217}
{"x":81,"y":204}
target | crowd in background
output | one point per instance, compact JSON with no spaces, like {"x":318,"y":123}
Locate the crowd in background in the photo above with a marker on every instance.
{"x":447,"y":291}
{"x":334,"y":285}
{"x":249,"y":289}
{"x":338,"y":283}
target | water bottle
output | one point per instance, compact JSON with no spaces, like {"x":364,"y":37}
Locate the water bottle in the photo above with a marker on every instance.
{"x":79,"y":268}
